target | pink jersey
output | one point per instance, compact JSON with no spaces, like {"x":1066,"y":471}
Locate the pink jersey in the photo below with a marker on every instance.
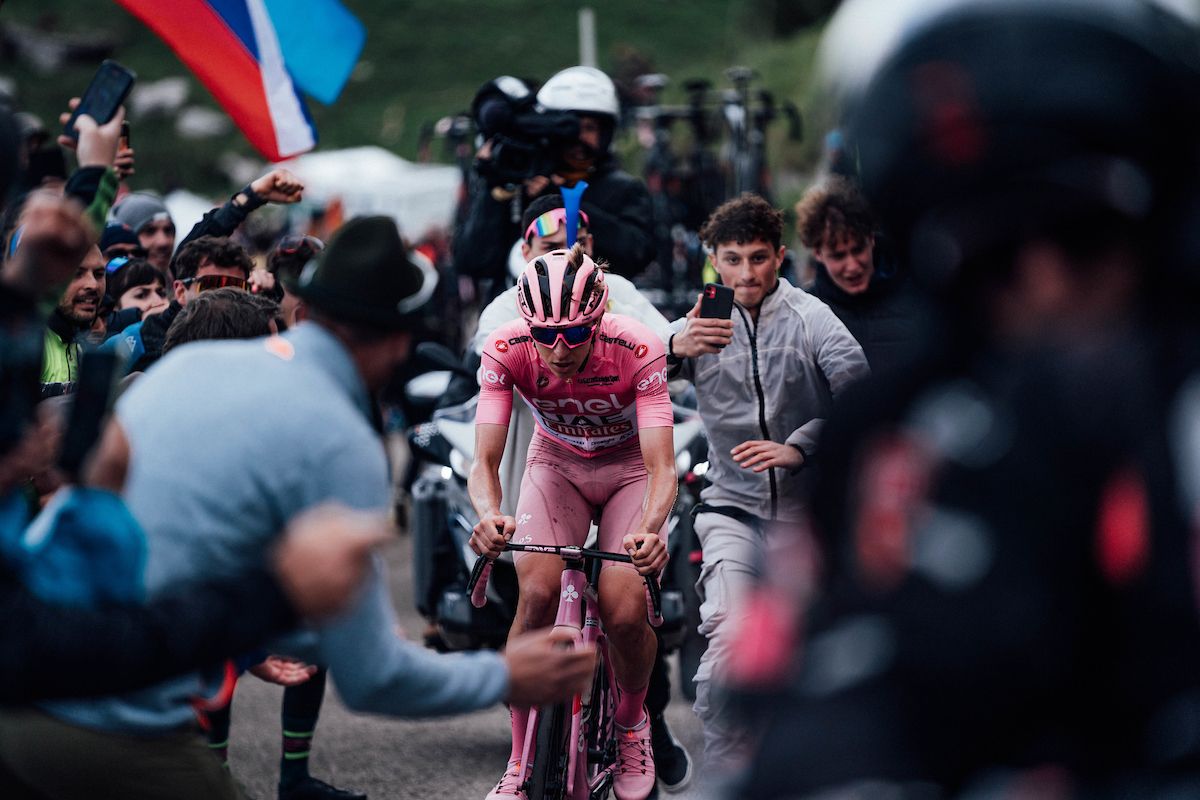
{"x":621,"y":388}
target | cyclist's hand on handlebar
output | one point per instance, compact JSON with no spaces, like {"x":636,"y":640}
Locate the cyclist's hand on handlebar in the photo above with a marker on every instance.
{"x":541,"y":671}
{"x":701,"y":335}
{"x":648,"y":550}
{"x":491,"y":534}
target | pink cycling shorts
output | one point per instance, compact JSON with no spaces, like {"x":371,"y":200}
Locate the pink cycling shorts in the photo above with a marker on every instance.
{"x":562,"y":493}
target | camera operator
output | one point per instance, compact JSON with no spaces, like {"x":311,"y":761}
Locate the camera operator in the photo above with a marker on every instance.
{"x":535,"y":146}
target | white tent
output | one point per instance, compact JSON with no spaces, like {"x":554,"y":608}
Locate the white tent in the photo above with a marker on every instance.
{"x":371,"y":180}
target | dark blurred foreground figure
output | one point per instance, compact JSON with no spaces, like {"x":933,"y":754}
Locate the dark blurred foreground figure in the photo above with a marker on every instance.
{"x":1007,"y":603}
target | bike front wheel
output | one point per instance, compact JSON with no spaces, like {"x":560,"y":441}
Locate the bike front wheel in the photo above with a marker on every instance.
{"x":548,"y":772}
{"x":600,"y":743}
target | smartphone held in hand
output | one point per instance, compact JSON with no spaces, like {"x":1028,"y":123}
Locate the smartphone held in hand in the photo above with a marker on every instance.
{"x":716,"y":302}
{"x":105,"y":94}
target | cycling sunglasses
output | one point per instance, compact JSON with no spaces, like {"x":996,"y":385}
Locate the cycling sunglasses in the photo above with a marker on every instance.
{"x":294,"y":243}
{"x":550,"y":222}
{"x":116,"y":263}
{"x":574,"y":335}
{"x":206,"y":282}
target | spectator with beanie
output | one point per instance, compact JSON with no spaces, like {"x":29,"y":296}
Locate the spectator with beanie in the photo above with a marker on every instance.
{"x":118,"y":239}
{"x":212,"y":505}
{"x":147,"y":216}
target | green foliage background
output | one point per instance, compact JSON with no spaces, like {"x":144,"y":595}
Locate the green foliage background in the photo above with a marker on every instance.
{"x":424,"y":59}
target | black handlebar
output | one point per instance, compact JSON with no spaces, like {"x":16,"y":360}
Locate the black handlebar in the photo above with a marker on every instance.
{"x":477,"y":585}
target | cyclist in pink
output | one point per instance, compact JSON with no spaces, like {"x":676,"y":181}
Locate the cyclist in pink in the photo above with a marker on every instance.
{"x":597,"y":387}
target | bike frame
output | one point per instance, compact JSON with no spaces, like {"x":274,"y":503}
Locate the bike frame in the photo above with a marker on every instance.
{"x":577,"y":624}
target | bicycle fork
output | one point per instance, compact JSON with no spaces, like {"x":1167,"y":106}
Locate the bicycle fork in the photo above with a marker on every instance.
{"x":576,"y":624}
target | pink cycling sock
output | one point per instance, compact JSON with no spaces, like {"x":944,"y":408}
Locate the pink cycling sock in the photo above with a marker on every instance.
{"x":629,"y":707}
{"x":519,"y":716}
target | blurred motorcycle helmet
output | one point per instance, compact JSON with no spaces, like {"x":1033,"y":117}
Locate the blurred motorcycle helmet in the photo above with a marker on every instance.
{"x":978,"y":122}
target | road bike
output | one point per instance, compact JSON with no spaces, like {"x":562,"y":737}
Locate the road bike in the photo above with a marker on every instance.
{"x":571,"y":747}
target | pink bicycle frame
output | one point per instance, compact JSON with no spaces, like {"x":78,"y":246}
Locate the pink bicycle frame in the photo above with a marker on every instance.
{"x":577,"y":623}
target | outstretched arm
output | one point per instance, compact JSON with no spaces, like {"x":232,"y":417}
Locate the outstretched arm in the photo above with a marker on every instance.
{"x":277,"y":186}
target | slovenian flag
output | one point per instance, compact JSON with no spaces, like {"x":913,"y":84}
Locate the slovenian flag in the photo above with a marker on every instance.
{"x":256,"y":56}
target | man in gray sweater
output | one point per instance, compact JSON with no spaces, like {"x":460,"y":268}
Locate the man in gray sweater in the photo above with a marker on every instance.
{"x":764,"y":383}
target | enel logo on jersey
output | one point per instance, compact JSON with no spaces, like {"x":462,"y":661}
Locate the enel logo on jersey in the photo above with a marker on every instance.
{"x":652,"y":380}
{"x":593,"y":405}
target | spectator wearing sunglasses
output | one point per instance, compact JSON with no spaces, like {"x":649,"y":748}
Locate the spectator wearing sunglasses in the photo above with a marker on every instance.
{"x":202,"y":265}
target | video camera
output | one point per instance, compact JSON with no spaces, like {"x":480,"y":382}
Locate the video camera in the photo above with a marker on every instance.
{"x":525,"y":138}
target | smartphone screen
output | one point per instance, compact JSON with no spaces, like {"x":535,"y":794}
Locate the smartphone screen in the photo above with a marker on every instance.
{"x":716,"y":301}
{"x":108,"y":89}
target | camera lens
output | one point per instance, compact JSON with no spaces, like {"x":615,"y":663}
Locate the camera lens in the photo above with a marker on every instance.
{"x":494,"y":115}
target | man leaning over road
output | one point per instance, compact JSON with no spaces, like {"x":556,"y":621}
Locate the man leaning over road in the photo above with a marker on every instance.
{"x":764,"y":381}
{"x":228,"y":440}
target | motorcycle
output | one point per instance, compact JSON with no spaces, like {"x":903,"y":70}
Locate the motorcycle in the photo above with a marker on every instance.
{"x":442,"y":520}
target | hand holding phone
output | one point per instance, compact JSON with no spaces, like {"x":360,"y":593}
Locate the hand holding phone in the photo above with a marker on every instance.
{"x":705,"y":331}
{"x":716,"y":301}
{"x":104,"y":95}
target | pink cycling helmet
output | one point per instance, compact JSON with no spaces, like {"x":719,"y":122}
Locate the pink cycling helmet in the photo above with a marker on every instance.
{"x":560,"y":289}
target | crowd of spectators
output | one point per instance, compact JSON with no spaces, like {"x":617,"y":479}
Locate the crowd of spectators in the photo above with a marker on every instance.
{"x":948,"y":520}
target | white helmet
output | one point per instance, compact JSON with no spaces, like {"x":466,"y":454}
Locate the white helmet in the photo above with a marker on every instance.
{"x":585,"y":90}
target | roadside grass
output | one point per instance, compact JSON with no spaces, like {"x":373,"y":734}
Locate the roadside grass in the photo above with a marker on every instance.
{"x":424,"y":59}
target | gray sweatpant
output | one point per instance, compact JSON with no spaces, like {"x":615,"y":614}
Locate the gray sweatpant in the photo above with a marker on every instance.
{"x":733,"y":559}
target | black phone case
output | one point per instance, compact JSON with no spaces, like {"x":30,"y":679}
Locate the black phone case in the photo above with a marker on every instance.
{"x":104,"y":95}
{"x":716,"y":302}
{"x":92,"y":401}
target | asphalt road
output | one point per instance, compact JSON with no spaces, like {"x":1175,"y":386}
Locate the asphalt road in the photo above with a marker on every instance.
{"x":460,"y":757}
